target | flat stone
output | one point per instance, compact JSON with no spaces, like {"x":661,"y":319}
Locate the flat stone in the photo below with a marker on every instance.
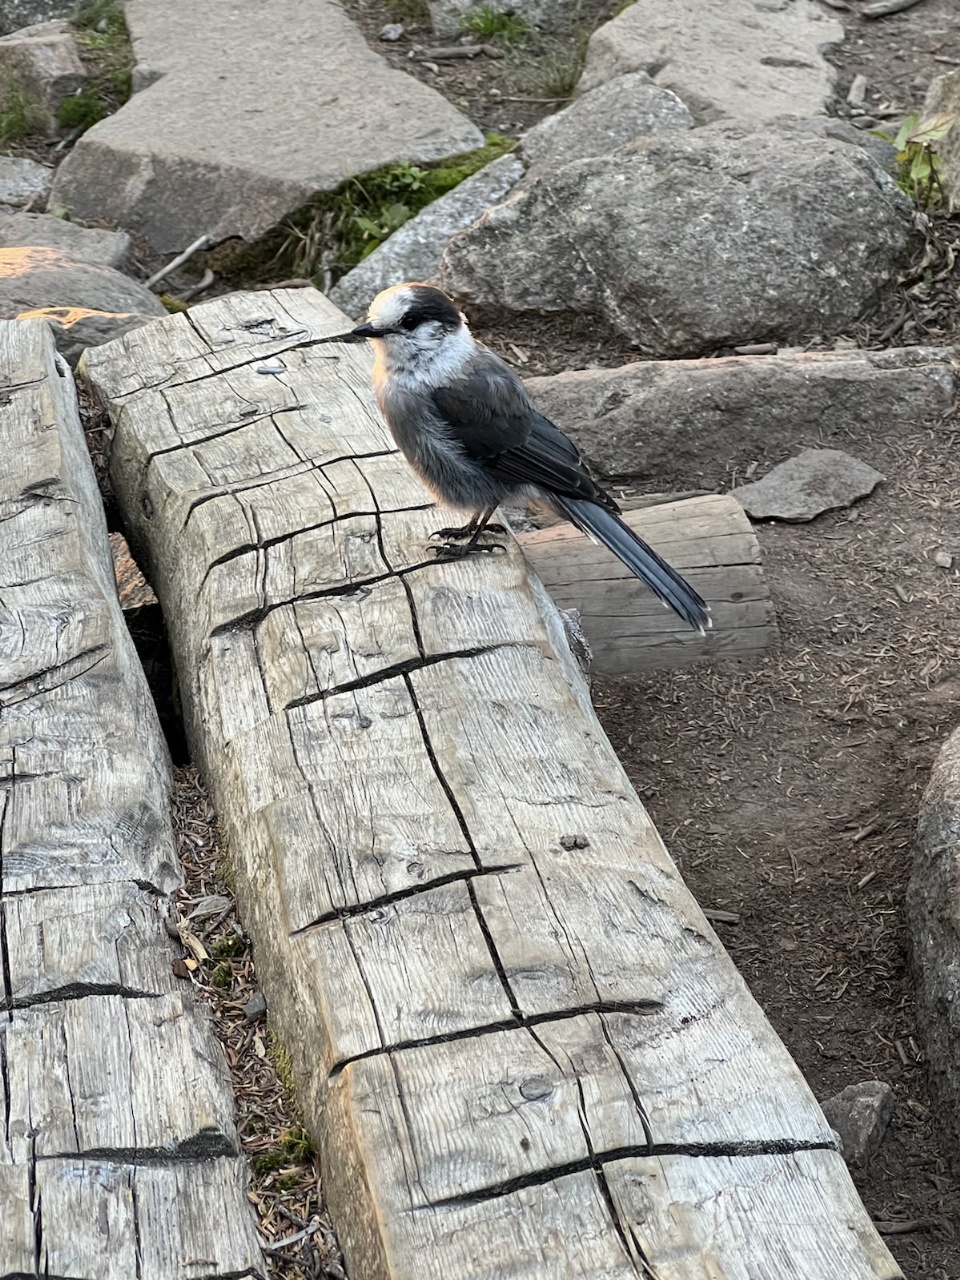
{"x":413,"y":252}
{"x":246,"y":116}
{"x":692,"y":240}
{"x":815,"y":481}
{"x":107,"y":248}
{"x":724,"y":58}
{"x":23,"y":181}
{"x":674,"y":424}
{"x":76,"y":328}
{"x":943,"y":96}
{"x":933,"y":919}
{"x":44,"y":61}
{"x":34,"y":276}
{"x":860,"y":1114}
{"x":606,"y":118}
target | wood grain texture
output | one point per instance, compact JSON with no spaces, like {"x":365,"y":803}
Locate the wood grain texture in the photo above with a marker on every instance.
{"x":102,"y":1051}
{"x":493,"y":983}
{"x":709,"y":539}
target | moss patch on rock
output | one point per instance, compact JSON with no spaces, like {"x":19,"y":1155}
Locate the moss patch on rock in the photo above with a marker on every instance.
{"x":338,"y":229}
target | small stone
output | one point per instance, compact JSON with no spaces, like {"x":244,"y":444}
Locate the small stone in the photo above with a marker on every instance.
{"x":23,"y":182}
{"x":860,"y":1115}
{"x":857,"y":94}
{"x":815,"y":481}
{"x":392,"y":32}
{"x":271,"y":366}
{"x":863,"y":122}
{"x":943,"y":559}
{"x":255,"y":1007}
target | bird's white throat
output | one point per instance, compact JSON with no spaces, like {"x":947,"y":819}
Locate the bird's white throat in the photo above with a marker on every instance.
{"x":430,"y":356}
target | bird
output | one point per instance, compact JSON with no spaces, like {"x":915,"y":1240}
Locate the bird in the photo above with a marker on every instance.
{"x":468,"y":428}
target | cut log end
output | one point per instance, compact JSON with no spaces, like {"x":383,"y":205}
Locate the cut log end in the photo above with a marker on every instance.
{"x":709,"y":540}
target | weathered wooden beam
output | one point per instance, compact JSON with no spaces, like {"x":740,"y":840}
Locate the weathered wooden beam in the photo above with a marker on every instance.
{"x":709,"y":539}
{"x":118,"y":1148}
{"x":518,"y":1040}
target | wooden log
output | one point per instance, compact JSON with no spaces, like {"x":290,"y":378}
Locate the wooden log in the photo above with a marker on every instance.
{"x":708,"y":539}
{"x":493,"y":984}
{"x":103,"y":1056}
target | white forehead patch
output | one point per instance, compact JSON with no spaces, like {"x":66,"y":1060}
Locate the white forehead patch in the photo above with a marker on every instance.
{"x":389,"y":306}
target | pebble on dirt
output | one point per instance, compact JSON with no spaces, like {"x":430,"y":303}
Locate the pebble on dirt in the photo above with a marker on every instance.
{"x":815,"y":481}
{"x":860,"y":1114}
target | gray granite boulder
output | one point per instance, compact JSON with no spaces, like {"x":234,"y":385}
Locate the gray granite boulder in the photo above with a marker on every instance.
{"x":76,"y":328}
{"x":751,"y":60}
{"x":672,"y":424}
{"x":606,"y":118}
{"x":804,"y":487}
{"x":44,"y":62}
{"x":689,"y":241}
{"x":933,"y":918}
{"x":23,"y":182}
{"x":17,"y":14}
{"x":34,"y":277}
{"x":246,"y":115}
{"x":446,"y":16}
{"x":413,"y":252}
{"x":943,"y":97}
{"x":107,"y":248}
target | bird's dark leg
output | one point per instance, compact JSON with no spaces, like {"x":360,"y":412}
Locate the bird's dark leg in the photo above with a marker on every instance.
{"x":473,"y":531}
{"x":460,"y":533}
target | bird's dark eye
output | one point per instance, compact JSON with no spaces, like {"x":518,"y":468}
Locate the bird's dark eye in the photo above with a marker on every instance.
{"x":409,"y":321}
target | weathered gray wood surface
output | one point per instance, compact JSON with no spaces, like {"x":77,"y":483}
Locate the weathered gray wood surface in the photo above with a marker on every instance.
{"x":709,"y":539}
{"x":105,"y":1062}
{"x":520,"y":1043}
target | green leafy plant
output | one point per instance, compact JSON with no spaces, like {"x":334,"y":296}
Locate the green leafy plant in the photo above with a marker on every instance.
{"x":18,"y":116}
{"x":102,"y":18}
{"x":917,"y":155}
{"x":338,"y":229}
{"x":491,"y":24}
{"x":81,"y":110}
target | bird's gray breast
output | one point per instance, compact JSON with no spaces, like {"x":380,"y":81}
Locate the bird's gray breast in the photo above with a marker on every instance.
{"x":428,"y":444}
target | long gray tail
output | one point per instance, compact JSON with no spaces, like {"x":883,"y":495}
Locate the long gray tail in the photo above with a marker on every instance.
{"x":640,"y":559}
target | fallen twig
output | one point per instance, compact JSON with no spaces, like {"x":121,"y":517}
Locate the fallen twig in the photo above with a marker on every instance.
{"x":447,"y":53}
{"x":200,"y":243}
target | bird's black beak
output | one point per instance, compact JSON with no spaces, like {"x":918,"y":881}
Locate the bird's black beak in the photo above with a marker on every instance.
{"x":359,"y":334}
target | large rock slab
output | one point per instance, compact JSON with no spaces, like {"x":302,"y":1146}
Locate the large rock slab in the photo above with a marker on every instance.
{"x":16,"y":14}
{"x":933,"y":917}
{"x":804,"y":487}
{"x":77,"y":328}
{"x":678,"y":423}
{"x":106,"y":248}
{"x":943,"y":96}
{"x":752,"y":60}
{"x":414,"y":251}
{"x":607,"y":118}
{"x":245,"y":117}
{"x":686,"y":242}
{"x":33,"y":277}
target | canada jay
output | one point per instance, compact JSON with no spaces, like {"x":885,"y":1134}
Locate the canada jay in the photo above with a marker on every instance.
{"x":468,"y":428}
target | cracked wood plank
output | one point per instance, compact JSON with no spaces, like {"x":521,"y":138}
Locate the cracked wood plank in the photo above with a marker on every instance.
{"x":107,"y":1074}
{"x":491,"y":979}
{"x":95,"y":939}
{"x":709,"y":539}
{"x":101,"y":1049}
{"x":184,"y":1221}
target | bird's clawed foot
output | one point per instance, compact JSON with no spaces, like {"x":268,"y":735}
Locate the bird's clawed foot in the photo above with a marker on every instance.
{"x":460,"y":533}
{"x":455,"y":551}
